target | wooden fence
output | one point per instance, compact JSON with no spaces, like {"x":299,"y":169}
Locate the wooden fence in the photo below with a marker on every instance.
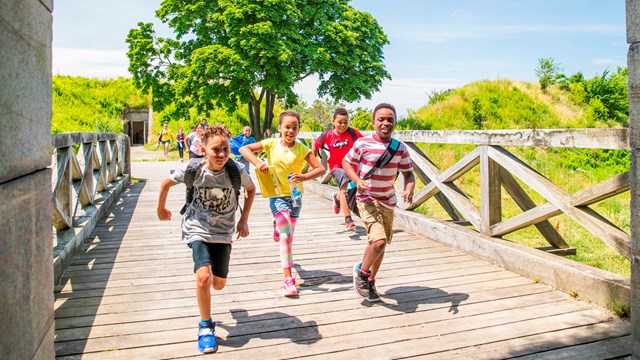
{"x":499,"y":169}
{"x":89,"y":171}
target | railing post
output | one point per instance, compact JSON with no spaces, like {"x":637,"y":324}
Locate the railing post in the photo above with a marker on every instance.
{"x":633,"y":66}
{"x":490,"y":201}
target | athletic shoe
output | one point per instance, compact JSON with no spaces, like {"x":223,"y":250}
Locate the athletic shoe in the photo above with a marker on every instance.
{"x":276,"y":234}
{"x":349,"y":225}
{"x":289,"y":287}
{"x":373,"y":293}
{"x":207,"y":338}
{"x":336,"y":203}
{"x":360,"y":281}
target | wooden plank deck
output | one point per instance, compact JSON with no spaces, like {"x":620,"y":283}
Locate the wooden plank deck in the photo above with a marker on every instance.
{"x":131,"y":296}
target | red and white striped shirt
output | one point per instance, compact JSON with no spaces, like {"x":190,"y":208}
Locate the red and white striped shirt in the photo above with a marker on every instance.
{"x":380,"y":186}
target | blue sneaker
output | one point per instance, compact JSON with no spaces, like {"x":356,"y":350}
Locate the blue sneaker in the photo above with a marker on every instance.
{"x":207,"y":338}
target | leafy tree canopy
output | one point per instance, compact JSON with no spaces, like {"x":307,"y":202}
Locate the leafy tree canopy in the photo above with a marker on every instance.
{"x":231,"y":52}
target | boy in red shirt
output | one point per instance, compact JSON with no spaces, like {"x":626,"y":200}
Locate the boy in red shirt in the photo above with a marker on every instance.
{"x":338,"y":142}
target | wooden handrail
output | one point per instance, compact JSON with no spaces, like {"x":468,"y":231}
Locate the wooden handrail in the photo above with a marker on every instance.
{"x":84,"y":165}
{"x":499,"y":169}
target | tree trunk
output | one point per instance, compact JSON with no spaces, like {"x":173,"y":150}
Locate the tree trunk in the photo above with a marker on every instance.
{"x":254,"y":117}
{"x":268,"y":112}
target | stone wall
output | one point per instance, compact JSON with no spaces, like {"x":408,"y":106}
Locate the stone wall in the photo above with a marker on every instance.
{"x":26,"y":269}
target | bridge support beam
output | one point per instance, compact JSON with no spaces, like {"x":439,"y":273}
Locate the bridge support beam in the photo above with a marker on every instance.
{"x":633,"y":65}
{"x":26,"y":269}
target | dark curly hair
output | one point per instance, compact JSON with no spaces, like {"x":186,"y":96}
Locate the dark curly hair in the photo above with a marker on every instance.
{"x":216,"y":130}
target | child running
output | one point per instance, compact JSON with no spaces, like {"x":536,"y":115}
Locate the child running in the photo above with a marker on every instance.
{"x":288,"y":157}
{"x":208,"y":222}
{"x":339,"y":141}
{"x":181,"y":144}
{"x":195,"y":147}
{"x":376,"y":193}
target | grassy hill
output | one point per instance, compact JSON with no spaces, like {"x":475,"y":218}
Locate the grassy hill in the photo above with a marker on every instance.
{"x":83,"y":104}
{"x":507,"y":104}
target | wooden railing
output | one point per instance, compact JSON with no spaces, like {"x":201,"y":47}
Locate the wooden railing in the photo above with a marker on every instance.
{"x":500,"y":169}
{"x":89,"y":171}
{"x":78,"y":178}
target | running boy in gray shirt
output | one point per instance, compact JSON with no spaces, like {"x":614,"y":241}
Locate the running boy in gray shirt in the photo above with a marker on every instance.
{"x":208,"y":224}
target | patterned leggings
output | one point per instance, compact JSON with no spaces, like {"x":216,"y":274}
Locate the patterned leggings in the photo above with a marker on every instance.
{"x":285,"y":224}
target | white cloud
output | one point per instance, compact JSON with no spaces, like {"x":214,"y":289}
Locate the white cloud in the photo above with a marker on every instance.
{"x":426,"y":35}
{"x":90,"y":63}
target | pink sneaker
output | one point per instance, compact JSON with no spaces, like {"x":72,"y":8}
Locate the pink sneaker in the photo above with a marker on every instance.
{"x":289,"y":287}
{"x":336,"y":203}
{"x":276,"y":234}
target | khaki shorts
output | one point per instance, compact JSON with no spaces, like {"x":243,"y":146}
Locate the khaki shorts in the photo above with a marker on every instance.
{"x":377,"y":219}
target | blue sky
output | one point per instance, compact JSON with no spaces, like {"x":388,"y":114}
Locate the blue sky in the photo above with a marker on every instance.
{"x":435,"y":44}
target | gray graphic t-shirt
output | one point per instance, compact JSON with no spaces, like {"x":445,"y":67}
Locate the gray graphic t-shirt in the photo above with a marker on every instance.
{"x":211,"y":215}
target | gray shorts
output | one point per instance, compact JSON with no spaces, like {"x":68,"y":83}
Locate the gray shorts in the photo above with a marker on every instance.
{"x":340,"y":177}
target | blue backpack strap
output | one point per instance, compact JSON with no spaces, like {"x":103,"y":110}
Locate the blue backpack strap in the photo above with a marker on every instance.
{"x":384,"y":159}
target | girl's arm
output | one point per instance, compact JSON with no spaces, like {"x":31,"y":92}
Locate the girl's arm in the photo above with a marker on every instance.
{"x":316,"y":166}
{"x":247,"y":153}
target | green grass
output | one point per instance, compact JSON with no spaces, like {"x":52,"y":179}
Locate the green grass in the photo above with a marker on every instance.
{"x":553,"y":164}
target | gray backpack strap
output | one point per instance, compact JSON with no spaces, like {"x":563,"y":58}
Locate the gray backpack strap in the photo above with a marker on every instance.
{"x":189,"y":177}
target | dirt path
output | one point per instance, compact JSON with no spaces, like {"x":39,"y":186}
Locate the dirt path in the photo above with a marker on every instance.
{"x":140,"y":153}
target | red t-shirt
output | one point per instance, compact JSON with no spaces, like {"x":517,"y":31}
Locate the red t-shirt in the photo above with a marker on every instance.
{"x":338,"y":145}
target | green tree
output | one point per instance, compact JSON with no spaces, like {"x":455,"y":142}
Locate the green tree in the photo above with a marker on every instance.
{"x":231,"y":52}
{"x":548,"y":72}
{"x":610,"y":92}
{"x":361,"y":119}
{"x":319,"y":115}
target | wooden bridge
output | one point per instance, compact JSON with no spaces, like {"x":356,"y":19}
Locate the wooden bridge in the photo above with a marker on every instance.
{"x":129,"y":291}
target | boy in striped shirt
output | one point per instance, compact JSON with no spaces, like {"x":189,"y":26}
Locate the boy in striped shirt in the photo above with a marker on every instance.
{"x":376,"y":195}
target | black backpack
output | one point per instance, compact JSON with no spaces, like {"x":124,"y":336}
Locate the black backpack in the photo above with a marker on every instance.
{"x":324,"y":134}
{"x":382,"y":161}
{"x":190,"y":176}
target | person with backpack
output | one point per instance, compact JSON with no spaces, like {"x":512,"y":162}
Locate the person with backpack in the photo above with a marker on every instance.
{"x":288,"y":157}
{"x":338,"y":141}
{"x":208,"y":225}
{"x":373,"y":164}
{"x":239,"y":141}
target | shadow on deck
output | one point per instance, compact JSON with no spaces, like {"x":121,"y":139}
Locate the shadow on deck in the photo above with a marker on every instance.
{"x":131,"y":295}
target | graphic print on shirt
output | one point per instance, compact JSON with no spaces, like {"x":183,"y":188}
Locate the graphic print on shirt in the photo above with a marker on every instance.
{"x":340,"y":144}
{"x":213,"y":199}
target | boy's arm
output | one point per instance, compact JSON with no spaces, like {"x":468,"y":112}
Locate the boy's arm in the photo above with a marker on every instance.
{"x":243,"y":224}
{"x":409,"y":186}
{"x":247,"y":153}
{"x":351,"y":173}
{"x":164,"y":213}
